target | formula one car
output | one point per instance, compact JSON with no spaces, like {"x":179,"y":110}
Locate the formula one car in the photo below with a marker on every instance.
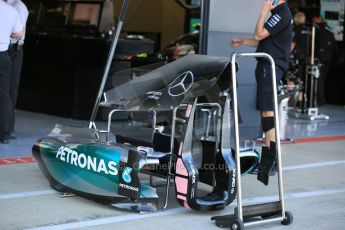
{"x":173,"y":123}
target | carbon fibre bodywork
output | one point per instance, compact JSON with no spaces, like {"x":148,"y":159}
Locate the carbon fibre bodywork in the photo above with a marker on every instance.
{"x":187,"y":126}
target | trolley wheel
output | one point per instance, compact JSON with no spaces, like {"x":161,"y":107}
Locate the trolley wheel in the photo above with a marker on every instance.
{"x":223,"y":221}
{"x":288,"y":218}
{"x":222,"y":224}
{"x":236,"y":224}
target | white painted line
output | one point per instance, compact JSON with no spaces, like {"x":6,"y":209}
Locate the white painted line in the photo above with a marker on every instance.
{"x":313,"y":165}
{"x":27,"y":194}
{"x":314,"y":193}
{"x":294,"y":195}
{"x":111,"y":220}
{"x":117,"y":219}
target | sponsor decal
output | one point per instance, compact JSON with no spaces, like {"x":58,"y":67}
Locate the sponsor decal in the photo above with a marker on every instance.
{"x":129,"y":184}
{"x":126,"y":175}
{"x":155,"y":95}
{"x":274,"y":20}
{"x":233,"y":181}
{"x":192,"y":194}
{"x":126,"y":186}
{"x":181,"y":84}
{"x":127,"y":178}
{"x":84,"y":161}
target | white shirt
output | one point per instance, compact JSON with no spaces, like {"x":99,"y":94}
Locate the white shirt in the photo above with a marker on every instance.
{"x":9,"y":23}
{"x":23,"y":13}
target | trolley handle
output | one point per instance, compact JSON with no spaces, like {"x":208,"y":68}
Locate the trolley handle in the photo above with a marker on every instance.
{"x":276,"y":122}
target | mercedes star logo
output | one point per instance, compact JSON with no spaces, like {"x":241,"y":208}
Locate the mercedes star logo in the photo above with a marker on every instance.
{"x":181,"y":84}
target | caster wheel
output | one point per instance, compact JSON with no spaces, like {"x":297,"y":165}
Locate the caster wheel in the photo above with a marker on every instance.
{"x":236,"y":224}
{"x":223,"y":221}
{"x":222,"y":224}
{"x":288,"y":218}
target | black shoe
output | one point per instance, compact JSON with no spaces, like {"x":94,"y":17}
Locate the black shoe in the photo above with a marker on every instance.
{"x":4,"y":141}
{"x":267,"y":163}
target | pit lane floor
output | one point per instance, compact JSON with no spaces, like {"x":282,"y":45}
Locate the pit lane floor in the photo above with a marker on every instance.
{"x":313,"y":178}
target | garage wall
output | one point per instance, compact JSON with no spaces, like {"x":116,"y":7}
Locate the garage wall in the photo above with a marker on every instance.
{"x":173,"y":21}
{"x":234,"y":19}
{"x":234,"y":15}
{"x":159,"y":16}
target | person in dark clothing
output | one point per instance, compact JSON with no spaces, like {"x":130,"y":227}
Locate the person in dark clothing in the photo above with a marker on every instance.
{"x":301,"y":38}
{"x":10,"y":27}
{"x":301,"y":51}
{"x":16,"y":53}
{"x":325,"y":49}
{"x":272,"y":36}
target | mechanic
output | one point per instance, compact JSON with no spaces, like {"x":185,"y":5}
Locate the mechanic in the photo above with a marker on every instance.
{"x":16,"y":54}
{"x":300,"y":49}
{"x":300,"y":38}
{"x":272,"y":36}
{"x":10,"y":27}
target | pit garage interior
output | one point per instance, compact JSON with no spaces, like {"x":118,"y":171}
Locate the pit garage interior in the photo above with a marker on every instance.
{"x":63,"y":68}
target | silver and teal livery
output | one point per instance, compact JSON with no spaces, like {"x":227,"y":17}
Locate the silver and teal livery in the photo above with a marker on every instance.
{"x":178,"y":126}
{"x":75,"y":162}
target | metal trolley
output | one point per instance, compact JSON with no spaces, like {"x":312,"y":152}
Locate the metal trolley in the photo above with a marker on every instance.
{"x":270,"y":211}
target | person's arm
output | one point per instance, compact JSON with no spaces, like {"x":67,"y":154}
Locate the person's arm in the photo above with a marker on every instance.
{"x":295,"y":37}
{"x":260,"y":31}
{"x":236,"y":42}
{"x":293,"y":45}
{"x":18,"y":28}
{"x":18,"y":35}
{"x":23,"y":14}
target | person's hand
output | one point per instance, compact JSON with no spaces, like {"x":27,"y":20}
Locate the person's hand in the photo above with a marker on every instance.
{"x":236,"y":42}
{"x":267,"y":6}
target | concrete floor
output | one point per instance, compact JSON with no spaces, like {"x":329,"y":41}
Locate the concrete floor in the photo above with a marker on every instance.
{"x":313,"y":178}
